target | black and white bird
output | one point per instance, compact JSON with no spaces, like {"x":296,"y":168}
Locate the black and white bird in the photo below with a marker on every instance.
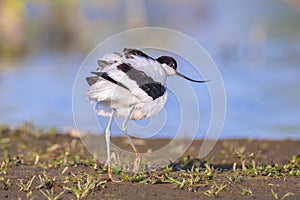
{"x":132,"y":86}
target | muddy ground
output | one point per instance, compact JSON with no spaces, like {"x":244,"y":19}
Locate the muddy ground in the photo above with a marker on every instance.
{"x":50,"y":165}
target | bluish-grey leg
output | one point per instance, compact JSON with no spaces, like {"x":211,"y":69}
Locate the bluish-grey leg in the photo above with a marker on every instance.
{"x":107,"y":137}
{"x":124,"y":129}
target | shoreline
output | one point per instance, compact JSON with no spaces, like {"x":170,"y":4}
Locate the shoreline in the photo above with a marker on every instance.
{"x":72,"y":131}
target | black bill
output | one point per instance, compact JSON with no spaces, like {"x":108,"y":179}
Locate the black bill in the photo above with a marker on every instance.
{"x":187,"y":78}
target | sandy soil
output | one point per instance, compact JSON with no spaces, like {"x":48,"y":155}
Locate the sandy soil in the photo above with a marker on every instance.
{"x":59,"y":163}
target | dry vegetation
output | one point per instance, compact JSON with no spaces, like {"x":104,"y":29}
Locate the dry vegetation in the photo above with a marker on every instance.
{"x":49,"y":165}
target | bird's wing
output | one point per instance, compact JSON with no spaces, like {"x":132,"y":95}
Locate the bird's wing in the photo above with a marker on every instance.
{"x":109,"y":59}
{"x":92,"y":80}
{"x":146,"y":83}
{"x":105,"y":76}
{"x":139,"y":73}
{"x":130,"y":52}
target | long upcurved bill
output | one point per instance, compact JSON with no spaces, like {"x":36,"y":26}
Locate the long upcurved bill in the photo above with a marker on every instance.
{"x":187,"y":78}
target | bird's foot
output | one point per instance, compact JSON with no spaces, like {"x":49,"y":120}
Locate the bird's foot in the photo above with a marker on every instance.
{"x":110,"y":174}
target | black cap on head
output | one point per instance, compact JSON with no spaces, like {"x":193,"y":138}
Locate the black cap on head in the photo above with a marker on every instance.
{"x":171,"y":62}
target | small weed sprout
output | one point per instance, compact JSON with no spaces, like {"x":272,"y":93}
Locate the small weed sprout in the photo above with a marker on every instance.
{"x":45,"y":181}
{"x":215,"y":189}
{"x":50,"y":194}
{"x":275,"y":195}
{"x":26,"y":186}
{"x":246,"y":192}
{"x":4,"y":183}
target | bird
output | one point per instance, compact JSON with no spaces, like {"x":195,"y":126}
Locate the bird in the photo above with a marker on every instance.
{"x":132,"y":86}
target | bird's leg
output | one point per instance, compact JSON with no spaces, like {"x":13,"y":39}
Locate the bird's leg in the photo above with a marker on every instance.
{"x":124,"y":128}
{"x":107,"y":137}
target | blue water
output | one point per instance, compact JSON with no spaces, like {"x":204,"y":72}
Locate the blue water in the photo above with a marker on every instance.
{"x":262,"y":101}
{"x":255,"y":45}
{"x":39,"y":91}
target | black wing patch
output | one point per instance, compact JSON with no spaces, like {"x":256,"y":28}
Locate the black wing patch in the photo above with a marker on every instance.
{"x":152,"y":88}
{"x":105,"y":76}
{"x":130,"y":52}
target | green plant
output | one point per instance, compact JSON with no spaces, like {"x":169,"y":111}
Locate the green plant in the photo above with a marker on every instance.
{"x":215,"y":189}
{"x":240,"y":152}
{"x":246,"y":192}
{"x":275,"y":195}
{"x":50,"y":194}
{"x":180,"y":183}
{"x":26,"y":186}
{"x":45,"y":181}
{"x":85,"y":184}
{"x":293,"y":167}
{"x":4,"y":183}
{"x":233,"y":177}
{"x":3,"y":167}
{"x":209,"y":172}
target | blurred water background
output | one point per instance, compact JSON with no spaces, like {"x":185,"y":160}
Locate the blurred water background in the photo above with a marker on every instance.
{"x":255,"y":44}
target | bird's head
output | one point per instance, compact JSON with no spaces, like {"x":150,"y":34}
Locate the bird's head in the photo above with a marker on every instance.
{"x":170,"y":66}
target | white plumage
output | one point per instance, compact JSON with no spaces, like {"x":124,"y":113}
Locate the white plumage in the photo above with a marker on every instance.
{"x":111,"y":96}
{"x":130,"y":85}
